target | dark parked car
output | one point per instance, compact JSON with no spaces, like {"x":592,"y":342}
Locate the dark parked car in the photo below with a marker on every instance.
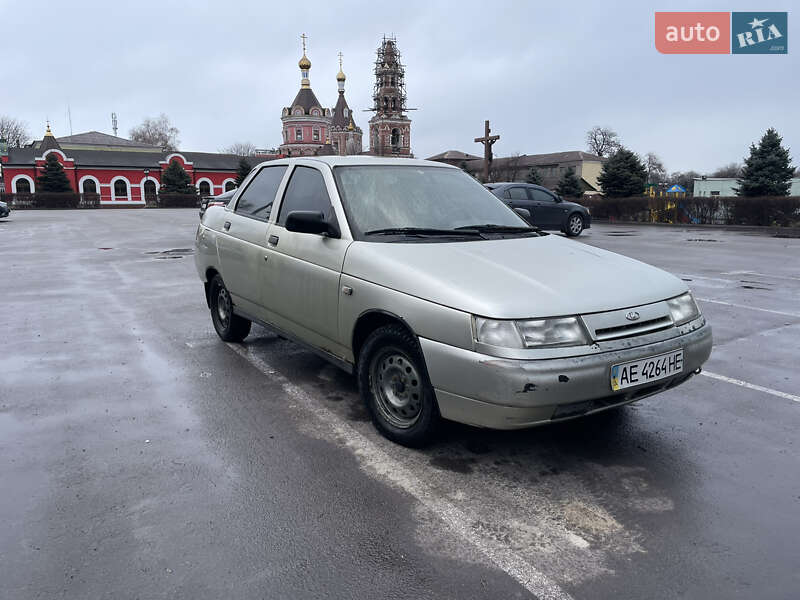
{"x":548,"y":210}
{"x":4,"y":210}
{"x":221,"y":200}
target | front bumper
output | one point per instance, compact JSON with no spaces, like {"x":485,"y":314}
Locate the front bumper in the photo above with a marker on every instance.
{"x":502,"y":393}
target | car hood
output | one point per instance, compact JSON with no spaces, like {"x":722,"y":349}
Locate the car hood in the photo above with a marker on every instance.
{"x":513,"y":278}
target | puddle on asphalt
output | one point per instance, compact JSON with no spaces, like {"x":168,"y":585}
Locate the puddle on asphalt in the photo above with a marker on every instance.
{"x":622,"y":233}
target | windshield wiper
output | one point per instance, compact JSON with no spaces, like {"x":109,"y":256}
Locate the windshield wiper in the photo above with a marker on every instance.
{"x":422,"y":231}
{"x":494,"y":228}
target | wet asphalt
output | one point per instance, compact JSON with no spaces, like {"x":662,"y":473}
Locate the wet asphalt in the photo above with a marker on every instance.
{"x":141,"y":457}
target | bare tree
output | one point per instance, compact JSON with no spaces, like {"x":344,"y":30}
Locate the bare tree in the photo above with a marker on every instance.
{"x":240,"y":149}
{"x":156,"y":132}
{"x":512,"y":166}
{"x":656,"y":173}
{"x":14,"y":131}
{"x":733,"y":169}
{"x":602,"y":141}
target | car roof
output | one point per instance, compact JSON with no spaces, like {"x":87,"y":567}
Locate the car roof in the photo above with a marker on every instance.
{"x":359,"y":160}
{"x":227,"y":194}
{"x":504,"y":184}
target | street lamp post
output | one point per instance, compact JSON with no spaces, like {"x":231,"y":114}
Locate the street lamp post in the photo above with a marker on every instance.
{"x":144,"y":185}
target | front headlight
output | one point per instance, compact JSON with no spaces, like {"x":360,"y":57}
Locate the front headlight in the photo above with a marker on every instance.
{"x":683,"y":308}
{"x":531,"y":333}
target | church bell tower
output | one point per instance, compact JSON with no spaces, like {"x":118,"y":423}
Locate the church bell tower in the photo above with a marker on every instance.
{"x":390,"y":128}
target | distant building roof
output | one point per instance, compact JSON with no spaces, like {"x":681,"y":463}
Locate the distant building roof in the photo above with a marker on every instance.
{"x":454,"y":155}
{"x":97,"y":138}
{"x":131,"y":158}
{"x":531,"y":160}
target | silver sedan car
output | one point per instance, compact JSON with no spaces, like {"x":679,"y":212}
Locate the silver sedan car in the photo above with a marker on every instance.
{"x":442,"y":300}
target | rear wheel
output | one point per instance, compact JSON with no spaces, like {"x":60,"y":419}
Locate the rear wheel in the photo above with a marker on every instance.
{"x":229,"y":326}
{"x":394,"y":385}
{"x":574,"y":225}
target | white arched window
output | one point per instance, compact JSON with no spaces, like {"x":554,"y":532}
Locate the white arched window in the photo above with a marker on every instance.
{"x":120,"y":188}
{"x":22,"y":184}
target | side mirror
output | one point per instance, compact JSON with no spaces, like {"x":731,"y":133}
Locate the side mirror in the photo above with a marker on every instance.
{"x":309,"y":221}
{"x":524,"y":213}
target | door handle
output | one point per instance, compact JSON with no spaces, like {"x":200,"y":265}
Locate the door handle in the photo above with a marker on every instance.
{"x":273,"y":240}
{"x":227,"y":225}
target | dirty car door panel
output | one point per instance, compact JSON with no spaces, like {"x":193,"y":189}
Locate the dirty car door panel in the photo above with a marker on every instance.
{"x":242,"y":242}
{"x":303,"y":271}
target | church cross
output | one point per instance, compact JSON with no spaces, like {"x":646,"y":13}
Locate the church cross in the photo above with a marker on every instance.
{"x":487,"y":141}
{"x":304,"y":42}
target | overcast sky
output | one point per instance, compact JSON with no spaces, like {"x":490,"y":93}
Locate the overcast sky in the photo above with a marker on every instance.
{"x":542,"y":72}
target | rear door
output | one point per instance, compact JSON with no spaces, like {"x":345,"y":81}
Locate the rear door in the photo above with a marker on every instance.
{"x":243,"y":240}
{"x":547,"y":211}
{"x":304,"y":269}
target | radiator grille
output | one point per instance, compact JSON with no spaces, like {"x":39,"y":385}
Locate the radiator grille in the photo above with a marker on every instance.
{"x":610,"y":333}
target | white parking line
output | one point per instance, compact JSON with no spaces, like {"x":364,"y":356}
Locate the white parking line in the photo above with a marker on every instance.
{"x":378,"y":460}
{"x":751,"y":386}
{"x":767,"y":310}
{"x":755,"y":273}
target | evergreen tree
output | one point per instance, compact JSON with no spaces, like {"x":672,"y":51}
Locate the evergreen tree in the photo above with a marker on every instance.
{"x":176,"y":181}
{"x":569,"y":186}
{"x":534,"y":176}
{"x":53,"y":178}
{"x":242,"y":171}
{"x":623,"y":174}
{"x":768,"y":169}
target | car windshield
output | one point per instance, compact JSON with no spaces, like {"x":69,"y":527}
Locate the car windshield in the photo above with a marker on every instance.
{"x":419,"y":200}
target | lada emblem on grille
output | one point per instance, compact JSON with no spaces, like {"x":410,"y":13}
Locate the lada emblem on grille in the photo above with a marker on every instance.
{"x":632,"y":316}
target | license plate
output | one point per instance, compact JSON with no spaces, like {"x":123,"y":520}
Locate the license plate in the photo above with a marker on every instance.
{"x":646,"y":370}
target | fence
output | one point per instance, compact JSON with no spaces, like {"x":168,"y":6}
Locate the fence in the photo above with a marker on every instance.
{"x":44,"y":200}
{"x":781,"y":211}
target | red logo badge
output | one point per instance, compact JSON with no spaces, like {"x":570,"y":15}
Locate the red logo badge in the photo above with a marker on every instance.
{"x":693,"y":32}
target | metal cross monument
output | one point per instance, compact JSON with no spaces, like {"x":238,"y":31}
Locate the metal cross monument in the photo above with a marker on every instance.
{"x":487,"y":141}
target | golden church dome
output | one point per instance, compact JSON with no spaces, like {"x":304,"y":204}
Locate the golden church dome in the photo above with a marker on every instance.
{"x":304,"y":63}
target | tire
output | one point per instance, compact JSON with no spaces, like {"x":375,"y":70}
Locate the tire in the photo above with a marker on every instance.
{"x":394,"y":385}
{"x":574,"y":225}
{"x":229,"y":326}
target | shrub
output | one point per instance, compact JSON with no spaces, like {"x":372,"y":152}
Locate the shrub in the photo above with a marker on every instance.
{"x":178,"y":201}
{"x":761,"y":210}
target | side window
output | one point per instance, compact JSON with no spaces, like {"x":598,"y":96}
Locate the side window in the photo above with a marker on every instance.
{"x":517,"y":193}
{"x":306,"y":191}
{"x":257,"y":198}
{"x":541,"y":196}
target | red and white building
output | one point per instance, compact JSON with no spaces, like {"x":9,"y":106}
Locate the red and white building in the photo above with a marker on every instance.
{"x":122,"y":172}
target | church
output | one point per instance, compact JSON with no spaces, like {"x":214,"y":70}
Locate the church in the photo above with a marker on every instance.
{"x":309,"y":129}
{"x":124,"y":173}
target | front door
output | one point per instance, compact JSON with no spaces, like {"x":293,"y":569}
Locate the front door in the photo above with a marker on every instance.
{"x":242,"y":243}
{"x":304,"y":269}
{"x":516,"y":197}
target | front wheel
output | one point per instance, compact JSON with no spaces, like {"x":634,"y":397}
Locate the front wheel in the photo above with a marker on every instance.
{"x":229,"y":326}
{"x":394,"y":385}
{"x":574,"y":225}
